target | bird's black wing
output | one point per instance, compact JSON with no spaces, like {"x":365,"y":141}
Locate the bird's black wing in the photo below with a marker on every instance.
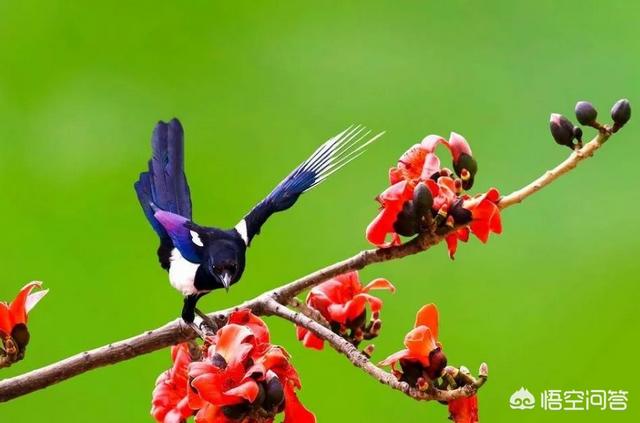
{"x":327,"y":159}
{"x":164,"y":185}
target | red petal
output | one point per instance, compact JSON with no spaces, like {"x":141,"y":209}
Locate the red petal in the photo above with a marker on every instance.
{"x":420,"y":342}
{"x":34,"y":299}
{"x":464,"y":410}
{"x":248,"y":390}
{"x":349,"y":311}
{"x":246,"y":318}
{"x":294,"y":411}
{"x":458,"y":145}
{"x":394,"y":358}
{"x":313,"y":342}
{"x":308,"y":339}
{"x":374,"y":302}
{"x":379,"y":283}
{"x":17,"y":309}
{"x":229,"y":342}
{"x":381,"y":226}
{"x":452,"y":245}
{"x":431,"y":166}
{"x":430,"y":142}
{"x":5,"y":319}
{"x":428,"y":316}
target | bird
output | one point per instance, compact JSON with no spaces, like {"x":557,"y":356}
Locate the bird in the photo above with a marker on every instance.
{"x":200,"y":259}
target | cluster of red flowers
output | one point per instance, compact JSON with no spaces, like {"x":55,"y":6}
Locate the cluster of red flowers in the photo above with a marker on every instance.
{"x":14,"y":334}
{"x":238,"y":376}
{"x":424,"y":196}
{"x":343,"y":301}
{"x":423,"y":361}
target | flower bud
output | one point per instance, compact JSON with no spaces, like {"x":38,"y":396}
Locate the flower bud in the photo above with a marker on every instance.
{"x":406,"y":223}
{"x":219,"y":361}
{"x":460,"y":215}
{"x":437,"y":364}
{"x":577,"y":133}
{"x":561,"y":130}
{"x":586,"y":113}
{"x":466,"y":168}
{"x":274,"y":394}
{"x":422,"y":200}
{"x":620,"y":113}
{"x":236,"y":411}
{"x":20,"y":335}
{"x":368,"y":350}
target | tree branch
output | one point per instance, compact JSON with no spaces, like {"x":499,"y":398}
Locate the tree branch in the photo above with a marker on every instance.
{"x":272,"y":307}
{"x":176,"y":331}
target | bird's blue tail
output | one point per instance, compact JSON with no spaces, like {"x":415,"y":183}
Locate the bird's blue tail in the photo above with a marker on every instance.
{"x":164,"y":185}
{"x":327,"y":159}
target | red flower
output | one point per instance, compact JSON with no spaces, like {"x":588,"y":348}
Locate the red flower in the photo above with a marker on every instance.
{"x":450,"y":206}
{"x":241,"y":378}
{"x":423,"y":357}
{"x":170,"y":402}
{"x":343,"y":302}
{"x":13,"y":320}
{"x":464,"y":410}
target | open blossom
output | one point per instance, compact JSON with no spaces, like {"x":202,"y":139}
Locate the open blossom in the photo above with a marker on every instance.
{"x":14,"y":334}
{"x":343,"y":302}
{"x":464,"y":410}
{"x":422,"y":359}
{"x":170,"y":401}
{"x":424,"y":196}
{"x":240,"y":378}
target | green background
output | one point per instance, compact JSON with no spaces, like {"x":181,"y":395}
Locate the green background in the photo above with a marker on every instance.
{"x":550,"y":304}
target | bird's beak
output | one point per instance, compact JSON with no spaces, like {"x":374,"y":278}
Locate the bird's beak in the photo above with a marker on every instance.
{"x":225,"y":277}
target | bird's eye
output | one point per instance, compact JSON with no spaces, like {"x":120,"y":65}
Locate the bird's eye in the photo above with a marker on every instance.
{"x":195,"y":238}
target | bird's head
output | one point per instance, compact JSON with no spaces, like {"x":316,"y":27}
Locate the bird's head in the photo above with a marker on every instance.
{"x":224,"y":261}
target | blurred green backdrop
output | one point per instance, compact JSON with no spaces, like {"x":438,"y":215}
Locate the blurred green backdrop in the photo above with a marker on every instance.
{"x":550,"y":304}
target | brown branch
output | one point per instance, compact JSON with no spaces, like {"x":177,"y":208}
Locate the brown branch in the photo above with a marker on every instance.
{"x":361,"y":361}
{"x":176,"y":332}
{"x":551,"y":175}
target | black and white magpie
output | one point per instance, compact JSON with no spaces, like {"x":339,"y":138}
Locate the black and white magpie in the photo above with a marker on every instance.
{"x":200,"y":259}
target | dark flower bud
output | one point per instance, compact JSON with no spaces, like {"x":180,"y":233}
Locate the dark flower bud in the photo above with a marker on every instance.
{"x":586,"y":113}
{"x":236,"y":411}
{"x":219,"y":361}
{"x":437,"y":363}
{"x":620,"y":113}
{"x":358,"y":322}
{"x":561,"y":130}
{"x":422,"y":200}
{"x":406,"y":223}
{"x":375,"y":328}
{"x":20,"y":335}
{"x":460,"y":215}
{"x":577,"y":133}
{"x":274,"y":394}
{"x":411,"y":372}
{"x":261,"y":395}
{"x":466,"y":168}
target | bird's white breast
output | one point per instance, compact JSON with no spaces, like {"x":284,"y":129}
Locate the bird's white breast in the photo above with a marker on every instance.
{"x":182,"y":273}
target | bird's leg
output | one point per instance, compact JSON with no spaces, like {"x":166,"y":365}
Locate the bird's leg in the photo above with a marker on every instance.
{"x":188,"y":309}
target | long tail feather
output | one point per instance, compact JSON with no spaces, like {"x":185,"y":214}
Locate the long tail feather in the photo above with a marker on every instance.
{"x":326,"y":160}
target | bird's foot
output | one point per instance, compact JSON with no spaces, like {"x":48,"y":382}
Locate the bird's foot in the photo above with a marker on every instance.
{"x":207,"y":321}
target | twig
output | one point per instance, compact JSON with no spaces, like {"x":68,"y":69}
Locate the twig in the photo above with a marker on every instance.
{"x":551,"y":175}
{"x":175,"y":332}
{"x":361,"y":361}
